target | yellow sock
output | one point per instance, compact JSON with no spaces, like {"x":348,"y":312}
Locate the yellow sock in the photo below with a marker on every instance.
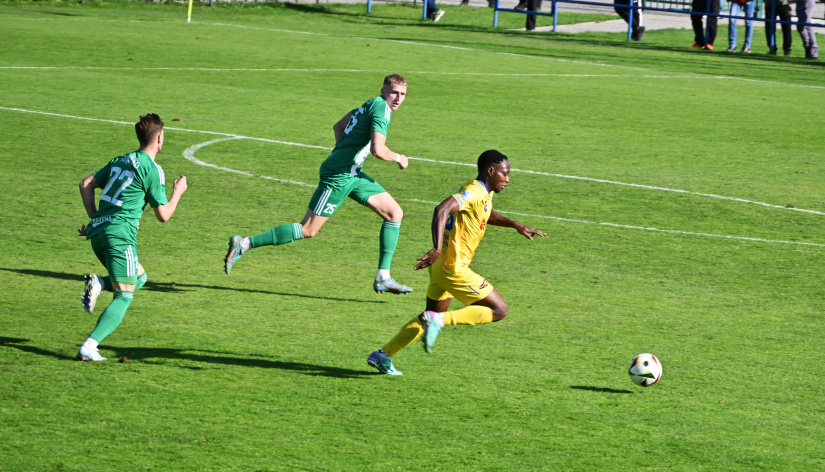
{"x":469,"y":315}
{"x":409,"y":333}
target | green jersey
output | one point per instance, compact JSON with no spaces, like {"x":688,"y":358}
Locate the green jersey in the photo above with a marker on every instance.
{"x":129,"y":182}
{"x":354,"y":146}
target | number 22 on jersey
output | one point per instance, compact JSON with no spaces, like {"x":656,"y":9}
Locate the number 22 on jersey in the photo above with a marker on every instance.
{"x":118,"y":175}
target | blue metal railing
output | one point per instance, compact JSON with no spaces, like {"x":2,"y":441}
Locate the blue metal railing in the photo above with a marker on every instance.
{"x":554,"y":13}
{"x":684,"y":11}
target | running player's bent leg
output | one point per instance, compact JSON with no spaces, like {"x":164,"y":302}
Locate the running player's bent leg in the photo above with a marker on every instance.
{"x":409,"y":333}
{"x":469,"y":315}
{"x":495,"y":302}
{"x":283,"y":234}
{"x":387,"y":242}
{"x":112,"y":316}
{"x":391,"y":213}
{"x":276,"y":236}
{"x":142,"y":278}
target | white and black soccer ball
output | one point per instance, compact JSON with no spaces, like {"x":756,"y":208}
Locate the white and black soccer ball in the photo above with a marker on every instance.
{"x":645,"y":370}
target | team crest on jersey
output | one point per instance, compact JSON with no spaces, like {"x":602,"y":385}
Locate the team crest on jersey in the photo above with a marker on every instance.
{"x":486,"y":202}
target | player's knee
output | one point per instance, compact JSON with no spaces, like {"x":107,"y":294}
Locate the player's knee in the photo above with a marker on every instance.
{"x":395,"y":214}
{"x":500,"y":311}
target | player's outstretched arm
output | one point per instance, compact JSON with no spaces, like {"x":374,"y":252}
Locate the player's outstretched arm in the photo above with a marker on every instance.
{"x":497,"y":220}
{"x":379,"y":149}
{"x":164,"y":212}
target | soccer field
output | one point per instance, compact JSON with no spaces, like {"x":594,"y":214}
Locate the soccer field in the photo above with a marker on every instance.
{"x":681,"y":191}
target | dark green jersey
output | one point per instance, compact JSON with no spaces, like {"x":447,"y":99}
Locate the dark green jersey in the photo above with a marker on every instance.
{"x":129,"y":182}
{"x":354,"y":146}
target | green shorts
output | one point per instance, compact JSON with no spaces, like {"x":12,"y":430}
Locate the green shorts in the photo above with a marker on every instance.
{"x":119,"y":256}
{"x":333,"y":189}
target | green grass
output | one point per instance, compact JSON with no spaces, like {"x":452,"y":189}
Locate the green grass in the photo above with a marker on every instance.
{"x":265,"y":369}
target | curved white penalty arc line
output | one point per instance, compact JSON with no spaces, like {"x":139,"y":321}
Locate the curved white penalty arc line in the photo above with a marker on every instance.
{"x":189,"y":154}
{"x":422,"y":159}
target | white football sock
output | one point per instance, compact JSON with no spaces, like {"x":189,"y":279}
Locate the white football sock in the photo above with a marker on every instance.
{"x":246,"y":244}
{"x":383,"y":274}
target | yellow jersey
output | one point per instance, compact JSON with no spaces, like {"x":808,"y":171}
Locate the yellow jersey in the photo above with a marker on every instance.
{"x":466,"y":227}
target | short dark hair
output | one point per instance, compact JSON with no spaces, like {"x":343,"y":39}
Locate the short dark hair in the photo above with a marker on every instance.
{"x":489,"y":158}
{"x":147,"y":128}
{"x":395,"y":79}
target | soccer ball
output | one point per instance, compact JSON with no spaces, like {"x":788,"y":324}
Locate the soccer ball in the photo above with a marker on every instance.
{"x":645,"y":370}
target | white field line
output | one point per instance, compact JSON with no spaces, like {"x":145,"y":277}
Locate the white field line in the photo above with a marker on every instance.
{"x":189,"y":154}
{"x":359,"y":71}
{"x":416,"y":43}
{"x":589,"y":63}
{"x":486,"y":74}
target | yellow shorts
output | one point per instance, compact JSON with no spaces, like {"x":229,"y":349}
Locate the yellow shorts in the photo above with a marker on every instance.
{"x":467,"y":286}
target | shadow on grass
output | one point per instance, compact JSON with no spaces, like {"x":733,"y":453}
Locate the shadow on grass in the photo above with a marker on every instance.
{"x":598,"y":389}
{"x":176,"y":287}
{"x":16,"y":343}
{"x":146,"y":354}
{"x":150,"y":355}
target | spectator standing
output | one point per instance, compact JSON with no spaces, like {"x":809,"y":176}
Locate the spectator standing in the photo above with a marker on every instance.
{"x":532,"y":5}
{"x":737,"y":6}
{"x":699,"y":9}
{"x":638,"y":29}
{"x":433,"y":12}
{"x":782,"y":10}
{"x":529,"y":5}
{"x":804,"y":14}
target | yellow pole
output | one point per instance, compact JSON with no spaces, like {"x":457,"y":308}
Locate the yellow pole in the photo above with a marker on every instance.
{"x":189,"y":18}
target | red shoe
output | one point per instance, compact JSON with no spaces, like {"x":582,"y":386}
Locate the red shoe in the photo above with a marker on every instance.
{"x":709,"y":47}
{"x":697,"y":45}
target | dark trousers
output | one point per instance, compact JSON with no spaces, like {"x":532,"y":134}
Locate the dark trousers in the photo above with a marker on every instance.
{"x":625,"y":12}
{"x":772,"y":11}
{"x":532,"y":5}
{"x":704,"y":6}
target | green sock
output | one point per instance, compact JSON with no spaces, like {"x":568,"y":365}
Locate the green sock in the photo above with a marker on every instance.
{"x":112,"y":316}
{"x":278,"y":235}
{"x":388,"y":242}
{"x":141,"y":281}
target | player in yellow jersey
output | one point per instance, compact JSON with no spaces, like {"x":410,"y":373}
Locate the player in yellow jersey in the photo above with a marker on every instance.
{"x":459,"y":223}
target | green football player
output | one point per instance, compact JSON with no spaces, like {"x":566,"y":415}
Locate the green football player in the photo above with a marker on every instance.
{"x":128,"y":183}
{"x":361,"y":132}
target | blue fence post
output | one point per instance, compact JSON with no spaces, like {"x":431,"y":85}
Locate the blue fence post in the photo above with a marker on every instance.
{"x":629,"y":21}
{"x":495,"y":15}
{"x":369,"y":7}
{"x":772,"y":25}
{"x":707,"y":21}
{"x":555,"y":15}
